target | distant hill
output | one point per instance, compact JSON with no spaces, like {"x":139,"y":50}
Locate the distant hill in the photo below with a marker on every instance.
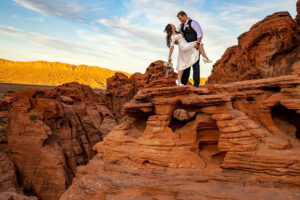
{"x":56,"y":73}
{"x":53,"y":73}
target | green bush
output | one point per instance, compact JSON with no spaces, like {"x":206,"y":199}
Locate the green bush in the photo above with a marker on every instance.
{"x":32,"y":117}
{"x":2,"y":131}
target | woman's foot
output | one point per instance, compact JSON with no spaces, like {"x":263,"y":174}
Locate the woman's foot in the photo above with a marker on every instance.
{"x":206,"y":60}
{"x":178,"y":83}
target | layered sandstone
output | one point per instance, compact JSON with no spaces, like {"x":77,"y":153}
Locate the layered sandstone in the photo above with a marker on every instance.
{"x":8,"y":178}
{"x":51,"y":132}
{"x":235,"y":134}
{"x":121,"y":89}
{"x":14,"y":196}
{"x":269,"y":49}
{"x":237,"y":140}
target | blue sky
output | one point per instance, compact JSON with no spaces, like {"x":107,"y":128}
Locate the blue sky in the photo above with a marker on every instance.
{"x":121,"y":35}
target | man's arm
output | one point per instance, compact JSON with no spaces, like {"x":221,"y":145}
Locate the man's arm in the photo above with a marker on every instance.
{"x":196,"y":26}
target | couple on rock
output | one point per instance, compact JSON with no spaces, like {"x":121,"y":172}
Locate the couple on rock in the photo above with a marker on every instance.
{"x":188,"y":37}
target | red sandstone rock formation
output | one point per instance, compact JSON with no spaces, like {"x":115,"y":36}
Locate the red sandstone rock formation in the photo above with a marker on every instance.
{"x":174,"y":142}
{"x":269,"y":49}
{"x":244,"y":133}
{"x":8,"y":178}
{"x":51,"y":132}
{"x":14,"y":196}
{"x":221,"y":141}
{"x":121,"y":89}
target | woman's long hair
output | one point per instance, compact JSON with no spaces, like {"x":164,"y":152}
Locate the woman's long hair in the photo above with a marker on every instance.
{"x":169,"y":32}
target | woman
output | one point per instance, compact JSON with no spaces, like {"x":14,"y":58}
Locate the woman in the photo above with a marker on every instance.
{"x":188,"y":55}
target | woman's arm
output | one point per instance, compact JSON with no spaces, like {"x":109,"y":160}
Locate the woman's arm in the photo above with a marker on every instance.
{"x":170,"y":53}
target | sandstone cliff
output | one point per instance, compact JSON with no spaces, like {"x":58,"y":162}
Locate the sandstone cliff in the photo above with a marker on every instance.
{"x":51,"y":132}
{"x":228,"y":143}
{"x":237,"y":140}
{"x":269,"y":49}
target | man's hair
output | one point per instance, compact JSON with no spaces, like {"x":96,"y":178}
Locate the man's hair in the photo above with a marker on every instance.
{"x":181,"y":13}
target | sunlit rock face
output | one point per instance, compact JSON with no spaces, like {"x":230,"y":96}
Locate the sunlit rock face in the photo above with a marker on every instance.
{"x":269,"y":49}
{"x":51,"y":132}
{"x":237,"y":137}
{"x":298,"y":13}
{"x":178,"y":141}
{"x":121,"y":89}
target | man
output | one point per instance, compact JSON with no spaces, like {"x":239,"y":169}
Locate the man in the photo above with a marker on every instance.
{"x":191,"y":32}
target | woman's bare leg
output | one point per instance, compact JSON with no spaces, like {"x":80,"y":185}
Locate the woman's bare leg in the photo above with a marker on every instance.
{"x":179,"y":76}
{"x":202,"y":51}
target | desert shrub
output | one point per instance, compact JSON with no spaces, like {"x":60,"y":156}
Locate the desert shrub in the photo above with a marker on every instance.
{"x":2,"y":131}
{"x":32,"y":117}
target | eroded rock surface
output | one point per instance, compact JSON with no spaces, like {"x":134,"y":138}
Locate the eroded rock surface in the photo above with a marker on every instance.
{"x":14,"y":196}
{"x":269,"y":49}
{"x":121,"y":89}
{"x":51,"y":132}
{"x":236,"y":137}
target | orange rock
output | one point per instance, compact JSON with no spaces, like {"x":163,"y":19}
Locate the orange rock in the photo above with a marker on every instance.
{"x":14,"y":196}
{"x":249,"y":143}
{"x":51,"y":132}
{"x":8,"y":177}
{"x":53,"y":73}
{"x":268,"y":49}
{"x":154,"y":136}
{"x":121,"y":89}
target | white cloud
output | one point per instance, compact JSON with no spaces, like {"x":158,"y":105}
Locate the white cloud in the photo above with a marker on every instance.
{"x":243,"y":17}
{"x":146,"y":20}
{"x":74,"y":10}
{"x":138,"y":31}
{"x":132,"y":41}
{"x":54,"y":43}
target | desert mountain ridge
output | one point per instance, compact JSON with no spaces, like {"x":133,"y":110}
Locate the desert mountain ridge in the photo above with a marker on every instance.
{"x":53,"y":73}
{"x":56,"y":73}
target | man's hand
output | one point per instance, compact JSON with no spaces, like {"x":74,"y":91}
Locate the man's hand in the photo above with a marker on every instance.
{"x":176,"y":42}
{"x":196,"y":46}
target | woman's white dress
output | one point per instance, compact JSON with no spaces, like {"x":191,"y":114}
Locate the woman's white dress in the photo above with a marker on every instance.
{"x":187,"y":54}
